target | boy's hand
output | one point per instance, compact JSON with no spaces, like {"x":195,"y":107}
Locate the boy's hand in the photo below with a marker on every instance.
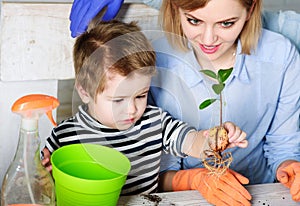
{"x":196,"y":142}
{"x":46,"y":160}
{"x":236,"y":136}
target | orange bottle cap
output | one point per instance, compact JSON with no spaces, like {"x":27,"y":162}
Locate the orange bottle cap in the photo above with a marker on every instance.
{"x":39,"y":102}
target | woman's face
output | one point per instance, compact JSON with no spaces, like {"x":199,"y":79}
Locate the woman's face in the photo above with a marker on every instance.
{"x":213,"y":29}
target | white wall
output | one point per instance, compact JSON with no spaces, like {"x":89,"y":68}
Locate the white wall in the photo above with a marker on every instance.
{"x":21,"y":78}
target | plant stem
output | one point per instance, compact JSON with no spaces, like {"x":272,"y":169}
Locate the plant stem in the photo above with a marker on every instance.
{"x":221,"y":110}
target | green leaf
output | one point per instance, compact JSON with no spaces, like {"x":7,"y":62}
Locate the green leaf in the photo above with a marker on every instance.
{"x":218,"y":88}
{"x":209,"y":73}
{"x":206,"y":103}
{"x":223,"y":74}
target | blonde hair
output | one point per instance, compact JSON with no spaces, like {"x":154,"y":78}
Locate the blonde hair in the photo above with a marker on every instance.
{"x":110,"y":47}
{"x":170,"y":19}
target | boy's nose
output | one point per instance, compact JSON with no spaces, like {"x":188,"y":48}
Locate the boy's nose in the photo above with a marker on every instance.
{"x":131,"y":107}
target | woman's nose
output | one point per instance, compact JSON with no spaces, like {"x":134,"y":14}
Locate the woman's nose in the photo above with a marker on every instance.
{"x":208,"y":36}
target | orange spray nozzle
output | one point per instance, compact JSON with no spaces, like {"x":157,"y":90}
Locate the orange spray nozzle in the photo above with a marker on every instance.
{"x":36,"y":103}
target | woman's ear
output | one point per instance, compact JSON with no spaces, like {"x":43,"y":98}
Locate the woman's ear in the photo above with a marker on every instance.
{"x":84,"y":95}
{"x":251,"y":9}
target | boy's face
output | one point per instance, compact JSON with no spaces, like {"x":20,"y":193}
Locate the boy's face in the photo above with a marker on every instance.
{"x":122,"y":102}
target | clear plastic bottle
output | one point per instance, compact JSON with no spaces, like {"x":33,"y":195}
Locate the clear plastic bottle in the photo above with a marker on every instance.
{"x":26,"y":181}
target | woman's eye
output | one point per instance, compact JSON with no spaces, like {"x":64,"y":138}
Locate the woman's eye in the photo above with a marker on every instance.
{"x":193,"y":21}
{"x":227,"y":24}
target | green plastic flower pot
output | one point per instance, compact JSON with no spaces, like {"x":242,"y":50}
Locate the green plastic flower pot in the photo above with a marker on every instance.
{"x":88,"y":174}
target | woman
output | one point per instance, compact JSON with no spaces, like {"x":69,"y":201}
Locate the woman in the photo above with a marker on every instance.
{"x":261,"y":95}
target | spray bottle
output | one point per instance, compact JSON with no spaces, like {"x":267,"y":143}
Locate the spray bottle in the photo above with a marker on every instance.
{"x":26,"y":181}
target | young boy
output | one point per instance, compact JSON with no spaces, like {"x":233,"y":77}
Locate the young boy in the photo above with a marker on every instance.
{"x":114,"y":64}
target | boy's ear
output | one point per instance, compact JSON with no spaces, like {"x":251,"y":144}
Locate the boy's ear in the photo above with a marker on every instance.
{"x":84,"y":95}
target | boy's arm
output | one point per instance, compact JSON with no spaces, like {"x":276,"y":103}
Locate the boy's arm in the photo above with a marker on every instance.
{"x":195,"y":144}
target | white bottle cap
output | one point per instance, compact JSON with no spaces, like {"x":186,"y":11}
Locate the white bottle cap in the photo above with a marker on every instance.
{"x":29,"y":124}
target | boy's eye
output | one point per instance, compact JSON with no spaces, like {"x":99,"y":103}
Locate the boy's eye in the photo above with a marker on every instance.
{"x":193,"y":21}
{"x":227,"y":24}
{"x":141,"y":96}
{"x":117,"y":100}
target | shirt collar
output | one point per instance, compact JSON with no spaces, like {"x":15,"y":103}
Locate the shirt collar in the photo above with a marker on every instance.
{"x":195,"y":68}
{"x":86,"y":120}
{"x":240,"y":70}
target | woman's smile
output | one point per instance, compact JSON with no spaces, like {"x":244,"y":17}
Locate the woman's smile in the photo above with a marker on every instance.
{"x":209,"y":49}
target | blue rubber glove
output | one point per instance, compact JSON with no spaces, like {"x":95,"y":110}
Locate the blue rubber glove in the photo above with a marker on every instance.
{"x":83,"y":11}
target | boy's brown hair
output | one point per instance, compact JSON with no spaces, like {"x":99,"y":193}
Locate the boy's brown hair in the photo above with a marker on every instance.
{"x":110,"y":47}
{"x":170,"y":19}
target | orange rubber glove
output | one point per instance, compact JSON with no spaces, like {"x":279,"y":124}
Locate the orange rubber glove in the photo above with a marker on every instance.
{"x":223,"y":190}
{"x":289,"y":176}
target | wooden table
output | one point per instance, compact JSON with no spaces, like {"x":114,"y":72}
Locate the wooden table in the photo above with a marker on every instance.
{"x":262,"y":195}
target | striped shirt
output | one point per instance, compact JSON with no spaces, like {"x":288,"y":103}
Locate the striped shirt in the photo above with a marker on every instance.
{"x":142,"y":143}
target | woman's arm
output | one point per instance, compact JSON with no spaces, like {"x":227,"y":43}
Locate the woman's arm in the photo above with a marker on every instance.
{"x":165,"y":181}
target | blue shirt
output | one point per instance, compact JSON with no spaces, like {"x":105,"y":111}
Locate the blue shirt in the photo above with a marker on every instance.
{"x":262,"y":97}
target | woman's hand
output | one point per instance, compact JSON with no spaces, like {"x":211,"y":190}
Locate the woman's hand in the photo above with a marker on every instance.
{"x":83,"y":11}
{"x":288,"y":174}
{"x":237,"y":137}
{"x":225,"y":189}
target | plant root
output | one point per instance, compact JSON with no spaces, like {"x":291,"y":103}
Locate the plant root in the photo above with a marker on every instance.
{"x":216,"y":162}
